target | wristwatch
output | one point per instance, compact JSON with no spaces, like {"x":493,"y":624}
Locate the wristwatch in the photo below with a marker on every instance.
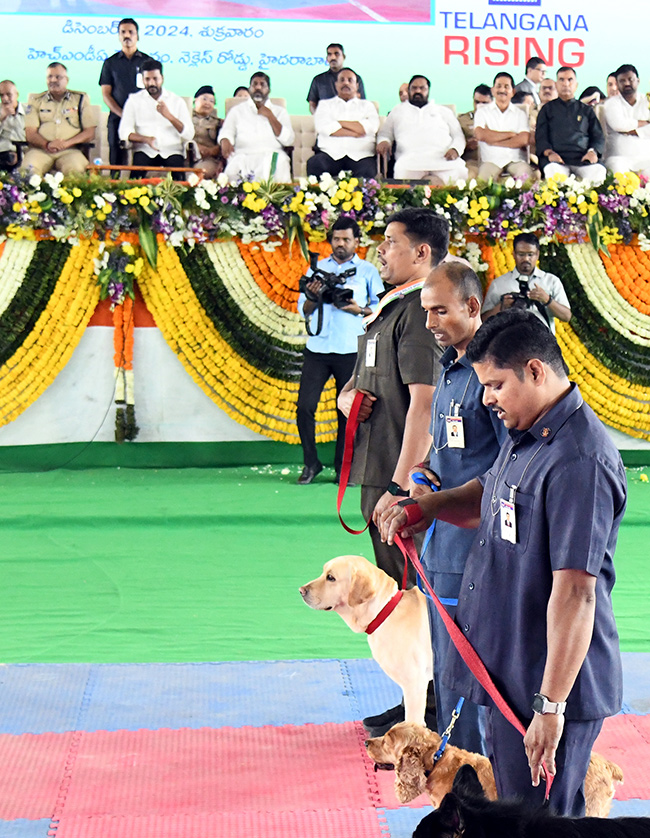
{"x":396,"y":490}
{"x":542,"y":706}
{"x":550,"y":300}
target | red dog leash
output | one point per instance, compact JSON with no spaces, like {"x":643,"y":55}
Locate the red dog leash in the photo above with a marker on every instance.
{"x":413,"y":514}
{"x":464,"y":648}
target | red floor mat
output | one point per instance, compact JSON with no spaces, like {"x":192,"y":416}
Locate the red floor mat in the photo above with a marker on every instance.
{"x":323,"y":824}
{"x":172,"y":772}
{"x":32,"y":773}
{"x":626,"y":740}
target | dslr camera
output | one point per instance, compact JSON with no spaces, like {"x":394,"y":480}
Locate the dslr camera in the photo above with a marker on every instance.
{"x":520,"y":297}
{"x":333,"y":291}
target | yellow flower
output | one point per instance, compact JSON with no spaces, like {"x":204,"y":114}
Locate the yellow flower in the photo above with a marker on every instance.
{"x":144,"y":201}
{"x":643,"y":477}
{"x":129,"y":269}
{"x":76,"y":192}
{"x":128,"y":248}
{"x":247,"y":187}
{"x":89,"y":213}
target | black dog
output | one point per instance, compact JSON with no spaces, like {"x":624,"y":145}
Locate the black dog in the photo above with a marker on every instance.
{"x":467,"y":813}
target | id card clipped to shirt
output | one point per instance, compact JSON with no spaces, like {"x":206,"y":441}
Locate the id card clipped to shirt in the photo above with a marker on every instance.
{"x":454,"y":426}
{"x":371,"y":352}
{"x":508,"y":515}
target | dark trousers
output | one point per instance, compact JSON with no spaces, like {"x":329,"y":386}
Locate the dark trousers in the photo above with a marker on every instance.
{"x":321,"y":163}
{"x":316,"y":370}
{"x":512,"y":774}
{"x":469,"y":730}
{"x":116,"y":154}
{"x":388,"y":557}
{"x":142,"y":159}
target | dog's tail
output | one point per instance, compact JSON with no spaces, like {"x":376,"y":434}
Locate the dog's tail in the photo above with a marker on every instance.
{"x":617,"y":771}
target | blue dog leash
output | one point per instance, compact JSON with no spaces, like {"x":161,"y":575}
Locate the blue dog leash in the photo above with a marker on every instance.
{"x":423,"y":480}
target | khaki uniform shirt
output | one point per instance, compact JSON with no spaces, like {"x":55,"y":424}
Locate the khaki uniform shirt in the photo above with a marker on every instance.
{"x":206,"y":128}
{"x":467,"y":124}
{"x":59,"y":120}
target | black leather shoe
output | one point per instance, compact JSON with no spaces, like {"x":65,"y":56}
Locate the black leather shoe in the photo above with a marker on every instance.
{"x":388,"y":717}
{"x":308,"y":474}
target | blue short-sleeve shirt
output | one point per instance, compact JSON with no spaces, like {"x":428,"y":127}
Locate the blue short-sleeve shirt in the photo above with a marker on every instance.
{"x":459,"y":387}
{"x":341,"y":330}
{"x":569,"y":502}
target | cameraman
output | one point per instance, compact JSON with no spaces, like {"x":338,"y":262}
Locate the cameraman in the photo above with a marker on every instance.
{"x":333,"y":351}
{"x":527,"y":287}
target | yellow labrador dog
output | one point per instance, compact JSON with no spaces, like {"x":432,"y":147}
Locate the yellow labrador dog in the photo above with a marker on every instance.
{"x":358,"y":591}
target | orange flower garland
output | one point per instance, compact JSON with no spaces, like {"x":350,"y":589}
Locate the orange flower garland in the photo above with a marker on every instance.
{"x":629,"y":270}
{"x":277,"y":271}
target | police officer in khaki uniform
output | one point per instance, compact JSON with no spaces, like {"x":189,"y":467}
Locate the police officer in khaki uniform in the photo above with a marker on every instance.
{"x":206,"y":129}
{"x":55,"y":123}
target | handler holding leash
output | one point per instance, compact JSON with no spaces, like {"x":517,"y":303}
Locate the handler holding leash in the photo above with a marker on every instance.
{"x":467,"y":437}
{"x":535,"y":598}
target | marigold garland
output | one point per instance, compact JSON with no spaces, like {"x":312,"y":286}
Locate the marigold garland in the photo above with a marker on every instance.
{"x":629,"y":269}
{"x":48,"y":346}
{"x":258,"y":401}
{"x":615,"y":401}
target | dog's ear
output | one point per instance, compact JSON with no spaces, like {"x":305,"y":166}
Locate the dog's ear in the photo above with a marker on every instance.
{"x":361,"y":588}
{"x":467,"y":784}
{"x":450,"y":815}
{"x":410,"y":779}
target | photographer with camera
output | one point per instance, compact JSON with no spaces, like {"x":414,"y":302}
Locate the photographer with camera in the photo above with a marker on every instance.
{"x":334,"y":298}
{"x":528,"y":287}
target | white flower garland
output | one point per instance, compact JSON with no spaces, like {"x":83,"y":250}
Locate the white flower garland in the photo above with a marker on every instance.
{"x":603,"y":295}
{"x":16,"y":258}
{"x":240,"y":284}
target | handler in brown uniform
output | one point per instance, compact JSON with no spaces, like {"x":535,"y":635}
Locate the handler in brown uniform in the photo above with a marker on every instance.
{"x":57,"y":121}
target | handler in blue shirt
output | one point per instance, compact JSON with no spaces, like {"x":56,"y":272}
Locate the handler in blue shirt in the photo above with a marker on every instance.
{"x":333,"y":351}
{"x":536,"y":593}
{"x":467,"y":437}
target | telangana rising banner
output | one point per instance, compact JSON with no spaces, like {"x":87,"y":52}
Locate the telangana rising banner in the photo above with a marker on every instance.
{"x":457,"y":43}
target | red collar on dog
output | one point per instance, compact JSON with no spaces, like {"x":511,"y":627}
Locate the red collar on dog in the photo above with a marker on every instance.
{"x":385,"y":612}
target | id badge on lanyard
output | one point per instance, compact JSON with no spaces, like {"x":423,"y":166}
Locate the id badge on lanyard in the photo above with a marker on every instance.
{"x":508,"y":513}
{"x":455,"y":428}
{"x":371,"y":352}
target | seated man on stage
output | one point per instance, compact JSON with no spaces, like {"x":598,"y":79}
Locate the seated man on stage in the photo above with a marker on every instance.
{"x":346,"y":127}
{"x":628,"y":125}
{"x":157,"y":121}
{"x":429,"y":138}
{"x":12,"y":124}
{"x":206,"y":129}
{"x":56,"y":122}
{"x":568,"y":135}
{"x":253,"y":132}
{"x":503,"y":133}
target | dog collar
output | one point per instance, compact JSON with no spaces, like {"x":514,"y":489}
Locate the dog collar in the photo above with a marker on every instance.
{"x":385,"y":612}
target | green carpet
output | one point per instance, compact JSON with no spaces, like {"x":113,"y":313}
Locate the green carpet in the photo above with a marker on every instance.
{"x":111,"y":565}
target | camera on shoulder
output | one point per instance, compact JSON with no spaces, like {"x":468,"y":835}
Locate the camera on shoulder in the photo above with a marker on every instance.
{"x":332,"y":290}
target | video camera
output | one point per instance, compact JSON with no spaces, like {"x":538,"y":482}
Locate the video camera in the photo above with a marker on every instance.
{"x":332,"y":291}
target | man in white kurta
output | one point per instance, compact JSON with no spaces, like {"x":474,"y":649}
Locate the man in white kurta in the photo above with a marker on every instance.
{"x":253,"y":132}
{"x":628,"y":125}
{"x":346,"y":127}
{"x":157,"y":122}
{"x":502,"y":130}
{"x":428,"y":137}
